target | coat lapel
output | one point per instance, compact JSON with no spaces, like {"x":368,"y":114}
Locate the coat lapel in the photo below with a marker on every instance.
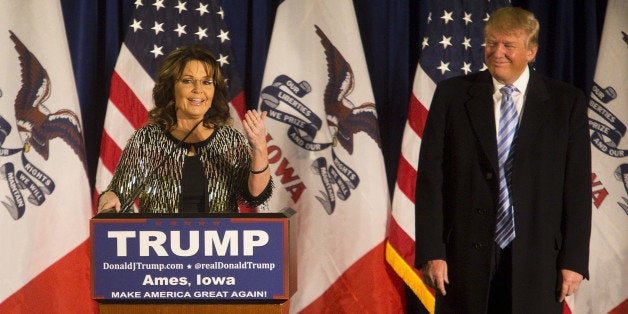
{"x":534,"y":113}
{"x":482,"y":116}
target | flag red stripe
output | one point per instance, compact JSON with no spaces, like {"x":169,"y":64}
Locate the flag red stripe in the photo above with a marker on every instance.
{"x":566,"y":309}
{"x":239,"y":104}
{"x":127,"y":102}
{"x":406,"y":178}
{"x":403,"y":243}
{"x":59,"y":288}
{"x":354,"y":292}
{"x":109,"y":152}
{"x":621,"y":308}
{"x":417,"y":115}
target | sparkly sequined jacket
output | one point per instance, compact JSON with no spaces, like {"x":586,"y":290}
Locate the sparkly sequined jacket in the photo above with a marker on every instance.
{"x":226,"y":158}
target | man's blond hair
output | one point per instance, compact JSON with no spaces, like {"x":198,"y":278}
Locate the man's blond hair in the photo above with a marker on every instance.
{"x":510,"y":20}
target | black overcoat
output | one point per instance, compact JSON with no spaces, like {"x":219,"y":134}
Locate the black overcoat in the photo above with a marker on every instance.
{"x":457,"y":188}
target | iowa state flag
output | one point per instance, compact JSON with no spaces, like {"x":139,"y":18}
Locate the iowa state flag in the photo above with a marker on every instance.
{"x":607,"y":289}
{"x":44,"y":190}
{"x":326,"y":160}
{"x":155,"y":30}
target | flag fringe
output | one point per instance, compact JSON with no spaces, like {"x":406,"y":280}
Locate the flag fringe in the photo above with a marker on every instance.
{"x":410,"y":277}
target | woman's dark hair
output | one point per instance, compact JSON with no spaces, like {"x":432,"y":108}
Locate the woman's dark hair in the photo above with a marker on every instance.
{"x":164,"y":114}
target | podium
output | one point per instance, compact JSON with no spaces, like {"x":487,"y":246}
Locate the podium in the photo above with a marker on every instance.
{"x":193,"y":262}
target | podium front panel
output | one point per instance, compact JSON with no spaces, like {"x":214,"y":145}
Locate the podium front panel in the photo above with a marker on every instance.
{"x":190,"y":258}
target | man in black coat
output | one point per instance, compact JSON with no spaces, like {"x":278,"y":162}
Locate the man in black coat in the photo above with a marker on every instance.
{"x":502,"y":224}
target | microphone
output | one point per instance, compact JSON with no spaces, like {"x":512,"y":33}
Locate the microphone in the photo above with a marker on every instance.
{"x":126,"y":206}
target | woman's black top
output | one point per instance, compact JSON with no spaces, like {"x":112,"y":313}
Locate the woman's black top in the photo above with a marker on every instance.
{"x":193,"y":186}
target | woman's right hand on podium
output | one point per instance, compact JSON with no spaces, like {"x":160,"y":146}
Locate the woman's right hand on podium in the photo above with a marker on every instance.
{"x":108,"y":202}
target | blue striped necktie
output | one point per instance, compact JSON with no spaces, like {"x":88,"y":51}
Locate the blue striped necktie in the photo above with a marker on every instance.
{"x":505,"y":231}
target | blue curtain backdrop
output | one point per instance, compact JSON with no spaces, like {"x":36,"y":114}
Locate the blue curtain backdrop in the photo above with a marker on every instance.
{"x":570,"y":35}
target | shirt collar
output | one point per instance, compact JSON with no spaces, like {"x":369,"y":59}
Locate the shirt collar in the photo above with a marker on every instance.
{"x":521,"y":83}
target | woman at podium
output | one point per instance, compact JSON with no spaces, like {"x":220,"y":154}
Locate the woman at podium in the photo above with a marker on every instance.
{"x":187,"y":157}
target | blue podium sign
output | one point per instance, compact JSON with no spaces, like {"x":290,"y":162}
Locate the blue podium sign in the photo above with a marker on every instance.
{"x":143,"y":257}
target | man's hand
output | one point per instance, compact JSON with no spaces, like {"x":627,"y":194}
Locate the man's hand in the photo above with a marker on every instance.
{"x":435,"y":275}
{"x":569,"y":281}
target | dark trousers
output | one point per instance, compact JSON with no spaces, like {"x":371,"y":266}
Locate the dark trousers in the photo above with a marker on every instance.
{"x":500,"y":295}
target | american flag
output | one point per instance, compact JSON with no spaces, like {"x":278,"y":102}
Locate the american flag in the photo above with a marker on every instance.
{"x":452,"y":40}
{"x":157,"y":28}
{"x":452,"y":43}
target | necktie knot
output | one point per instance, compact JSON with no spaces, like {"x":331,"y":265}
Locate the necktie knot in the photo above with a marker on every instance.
{"x":508,"y":89}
